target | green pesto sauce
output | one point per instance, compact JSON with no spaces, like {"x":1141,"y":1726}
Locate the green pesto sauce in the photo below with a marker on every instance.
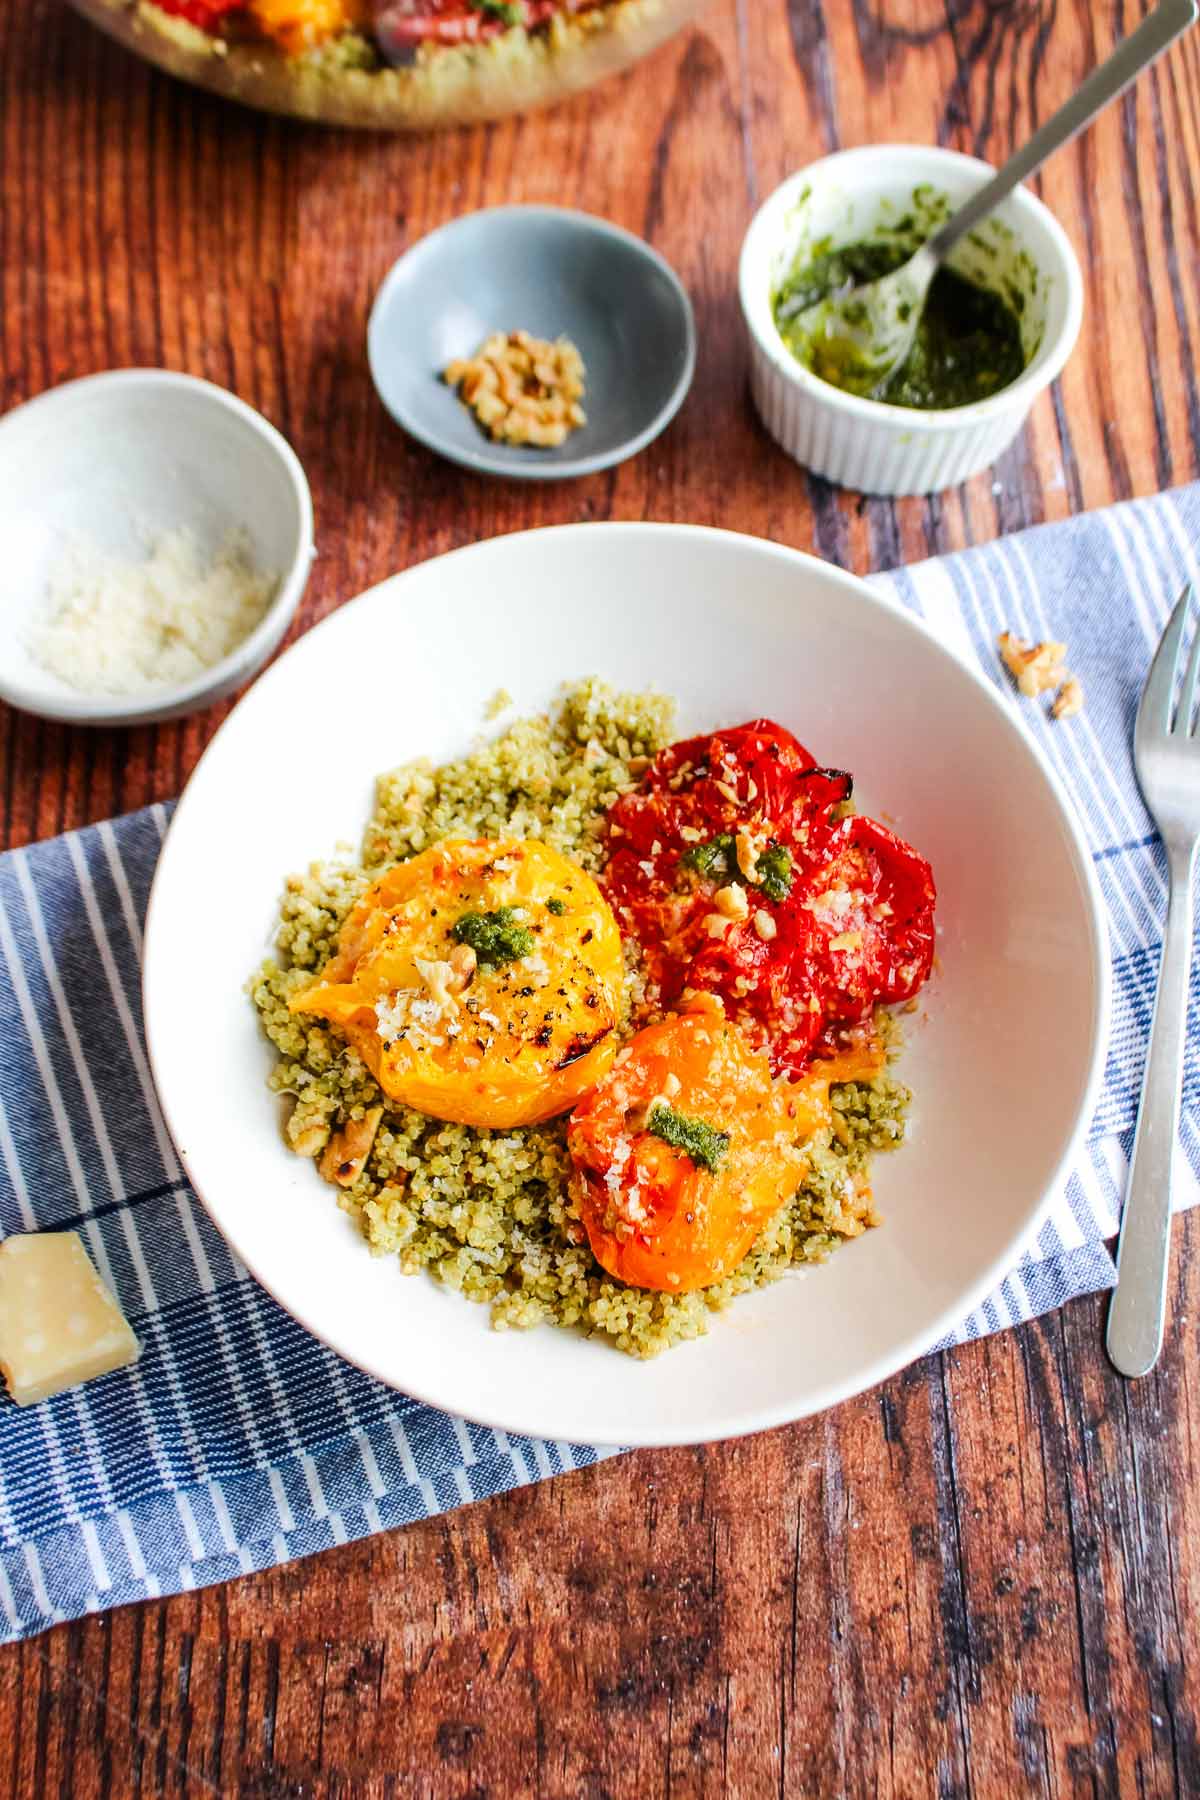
{"x":967,"y":347}
{"x":774,"y":872}
{"x":504,"y":10}
{"x":718,"y":858}
{"x":702,"y":1142}
{"x":495,"y":937}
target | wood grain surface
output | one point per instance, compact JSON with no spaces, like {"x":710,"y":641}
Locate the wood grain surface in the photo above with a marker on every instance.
{"x":981,"y":1579}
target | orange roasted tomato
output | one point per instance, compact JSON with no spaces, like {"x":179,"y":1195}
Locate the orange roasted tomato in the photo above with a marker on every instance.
{"x":300,"y":25}
{"x":294,"y":25}
{"x":689,"y":1146}
{"x":480,"y":982}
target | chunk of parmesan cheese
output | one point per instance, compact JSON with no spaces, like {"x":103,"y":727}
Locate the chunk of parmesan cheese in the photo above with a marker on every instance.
{"x":59,"y":1325}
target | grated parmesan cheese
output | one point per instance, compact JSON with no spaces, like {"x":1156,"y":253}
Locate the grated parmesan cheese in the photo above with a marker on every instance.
{"x":111,"y":626}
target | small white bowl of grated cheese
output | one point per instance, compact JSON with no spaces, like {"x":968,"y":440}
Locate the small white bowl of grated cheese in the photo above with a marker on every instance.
{"x":157,"y":538}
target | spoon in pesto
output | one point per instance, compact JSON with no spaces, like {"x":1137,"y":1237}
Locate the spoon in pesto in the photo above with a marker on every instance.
{"x":858,"y":336}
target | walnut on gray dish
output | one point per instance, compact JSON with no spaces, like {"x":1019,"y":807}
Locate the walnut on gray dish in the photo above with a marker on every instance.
{"x":522,"y":389}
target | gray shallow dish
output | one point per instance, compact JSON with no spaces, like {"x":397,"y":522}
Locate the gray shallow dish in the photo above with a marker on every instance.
{"x":554,"y":273}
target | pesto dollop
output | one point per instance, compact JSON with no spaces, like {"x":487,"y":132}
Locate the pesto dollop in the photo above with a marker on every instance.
{"x":495,"y":937}
{"x":967,"y":346}
{"x":695,"y":1137}
{"x":718,"y":858}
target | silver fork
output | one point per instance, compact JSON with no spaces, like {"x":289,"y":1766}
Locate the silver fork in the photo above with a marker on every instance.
{"x":1166,"y":756}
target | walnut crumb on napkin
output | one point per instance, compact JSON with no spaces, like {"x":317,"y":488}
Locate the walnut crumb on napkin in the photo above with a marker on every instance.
{"x":1036,"y":668}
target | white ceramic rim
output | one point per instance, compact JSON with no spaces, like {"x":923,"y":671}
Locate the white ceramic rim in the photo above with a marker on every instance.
{"x":951,"y":1316}
{"x":484,"y":461}
{"x":247,"y":656}
{"x":754,"y":295}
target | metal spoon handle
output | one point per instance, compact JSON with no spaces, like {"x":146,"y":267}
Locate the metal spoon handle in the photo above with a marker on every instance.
{"x":1135,"y":53}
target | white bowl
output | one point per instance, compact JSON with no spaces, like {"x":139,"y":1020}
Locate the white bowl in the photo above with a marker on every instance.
{"x":1004,"y":1070}
{"x":114,"y":457}
{"x":865,"y":444}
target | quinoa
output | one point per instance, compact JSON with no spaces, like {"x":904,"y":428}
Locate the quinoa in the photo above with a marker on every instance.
{"x":489,"y":1212}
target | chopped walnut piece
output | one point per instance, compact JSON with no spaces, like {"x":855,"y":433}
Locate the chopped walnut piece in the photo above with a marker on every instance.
{"x":441,"y":982}
{"x":462,"y":962}
{"x":749,"y":846}
{"x":1069,"y":699}
{"x":349,"y":1148}
{"x":522,"y":389}
{"x":309,"y":1139}
{"x":1034,"y":667}
{"x":731,"y":900}
{"x":765,"y":925}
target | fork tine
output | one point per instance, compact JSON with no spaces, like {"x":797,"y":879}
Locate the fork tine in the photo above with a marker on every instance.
{"x":1156,"y":710}
{"x":1191,"y":679}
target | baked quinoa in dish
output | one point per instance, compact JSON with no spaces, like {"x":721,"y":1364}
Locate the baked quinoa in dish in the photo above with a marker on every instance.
{"x":391,"y":64}
{"x":595,"y":1028}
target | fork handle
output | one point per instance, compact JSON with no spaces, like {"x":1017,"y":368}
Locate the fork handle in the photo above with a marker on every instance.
{"x":1135,"y":1317}
{"x":1158,"y":30}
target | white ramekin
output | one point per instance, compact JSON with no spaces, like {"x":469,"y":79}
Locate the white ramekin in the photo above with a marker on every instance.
{"x":864,"y":444}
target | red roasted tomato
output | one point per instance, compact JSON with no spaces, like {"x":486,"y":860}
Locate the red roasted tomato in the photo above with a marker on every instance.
{"x":737,"y":868}
{"x":207,"y":14}
{"x":411,"y":22}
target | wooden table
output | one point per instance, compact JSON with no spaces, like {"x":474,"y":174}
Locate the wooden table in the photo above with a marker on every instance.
{"x":984,"y":1577}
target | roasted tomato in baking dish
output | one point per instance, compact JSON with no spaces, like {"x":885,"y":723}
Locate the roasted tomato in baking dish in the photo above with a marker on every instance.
{"x":689,"y":1146}
{"x":739,"y":870}
{"x":479,"y":981}
{"x":207,"y":14}
{"x":294,"y":25}
{"x":400,"y":25}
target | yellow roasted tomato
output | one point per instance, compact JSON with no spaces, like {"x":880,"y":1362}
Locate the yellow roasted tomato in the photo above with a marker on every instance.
{"x":479,"y":982}
{"x":300,"y":25}
{"x":689,"y":1146}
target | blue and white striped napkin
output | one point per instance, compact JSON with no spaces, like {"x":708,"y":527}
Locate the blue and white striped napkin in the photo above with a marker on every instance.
{"x":238,"y":1442}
